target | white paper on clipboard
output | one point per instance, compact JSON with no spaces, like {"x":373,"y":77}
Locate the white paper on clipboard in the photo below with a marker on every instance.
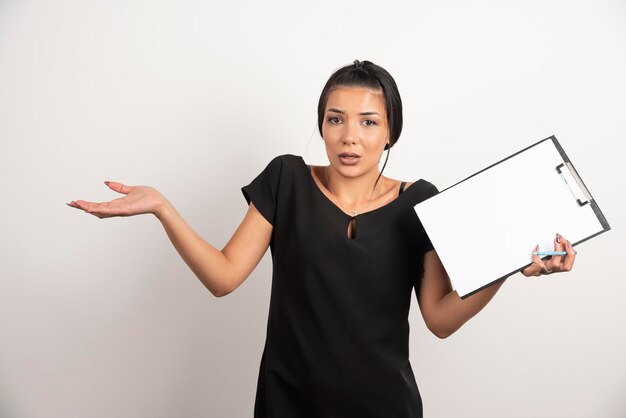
{"x":485,"y":227}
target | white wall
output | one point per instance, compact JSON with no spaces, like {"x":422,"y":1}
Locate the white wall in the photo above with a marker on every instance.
{"x":101,"y":318}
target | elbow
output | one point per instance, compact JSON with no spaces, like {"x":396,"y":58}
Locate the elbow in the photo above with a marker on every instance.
{"x":219,"y":293}
{"x":225,"y":283}
{"x":221,"y":290}
{"x":441,"y":331}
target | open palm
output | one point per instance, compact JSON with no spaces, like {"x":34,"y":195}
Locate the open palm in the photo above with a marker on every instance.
{"x":138,"y":200}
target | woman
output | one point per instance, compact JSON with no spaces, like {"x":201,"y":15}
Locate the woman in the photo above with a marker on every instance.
{"x":347,"y":250}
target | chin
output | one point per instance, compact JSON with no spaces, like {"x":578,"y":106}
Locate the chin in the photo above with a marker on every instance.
{"x":354,"y":170}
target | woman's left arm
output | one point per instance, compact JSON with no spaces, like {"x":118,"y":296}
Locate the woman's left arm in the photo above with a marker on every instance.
{"x":445,"y":312}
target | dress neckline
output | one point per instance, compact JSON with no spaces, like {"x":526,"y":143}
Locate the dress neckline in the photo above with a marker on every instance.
{"x":307,"y":168}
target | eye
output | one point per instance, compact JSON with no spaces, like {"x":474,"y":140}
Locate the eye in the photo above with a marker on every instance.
{"x":369,"y":122}
{"x":334,"y":120}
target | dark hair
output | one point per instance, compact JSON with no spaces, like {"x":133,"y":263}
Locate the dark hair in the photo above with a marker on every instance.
{"x":369,"y":75}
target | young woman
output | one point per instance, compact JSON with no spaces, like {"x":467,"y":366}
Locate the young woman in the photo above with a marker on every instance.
{"x":347,"y":250}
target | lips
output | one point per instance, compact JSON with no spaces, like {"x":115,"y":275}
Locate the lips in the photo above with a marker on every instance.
{"x":349,"y":158}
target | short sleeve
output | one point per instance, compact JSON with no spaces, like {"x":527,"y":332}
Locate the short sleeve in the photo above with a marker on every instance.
{"x":263,"y":190}
{"x":430,"y":191}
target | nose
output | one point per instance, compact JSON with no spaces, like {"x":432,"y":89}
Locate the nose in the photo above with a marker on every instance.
{"x":350,"y":134}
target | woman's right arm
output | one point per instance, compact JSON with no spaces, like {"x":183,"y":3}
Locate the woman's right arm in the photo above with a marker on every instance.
{"x":220,"y":271}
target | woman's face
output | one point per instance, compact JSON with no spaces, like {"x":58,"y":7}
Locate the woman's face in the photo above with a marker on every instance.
{"x":355,"y":130}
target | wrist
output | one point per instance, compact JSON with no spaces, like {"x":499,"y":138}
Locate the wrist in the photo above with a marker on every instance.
{"x":163,"y":208}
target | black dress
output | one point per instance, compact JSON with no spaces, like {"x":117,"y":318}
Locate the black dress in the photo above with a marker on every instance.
{"x":337,"y":340}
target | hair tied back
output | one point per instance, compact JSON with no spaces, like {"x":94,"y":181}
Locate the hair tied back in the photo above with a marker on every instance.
{"x":358,"y":64}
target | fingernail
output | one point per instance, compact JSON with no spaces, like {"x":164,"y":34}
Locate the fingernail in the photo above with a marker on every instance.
{"x":106,"y":182}
{"x":558,"y":238}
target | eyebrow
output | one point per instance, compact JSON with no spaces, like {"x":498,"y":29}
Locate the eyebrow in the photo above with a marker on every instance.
{"x":362,"y":113}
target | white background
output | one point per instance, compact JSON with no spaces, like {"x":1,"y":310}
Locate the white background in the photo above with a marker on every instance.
{"x":101,"y":318}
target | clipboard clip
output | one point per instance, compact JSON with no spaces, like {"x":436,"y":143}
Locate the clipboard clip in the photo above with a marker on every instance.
{"x":575,"y":183}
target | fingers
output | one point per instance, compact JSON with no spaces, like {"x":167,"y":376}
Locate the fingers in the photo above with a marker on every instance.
{"x":568,"y":262}
{"x":100,"y":210}
{"x":537,"y":266}
{"x":119,"y":187}
{"x":105,"y":209}
{"x":554,"y":263}
{"x":562,"y":263}
{"x":89,"y":207}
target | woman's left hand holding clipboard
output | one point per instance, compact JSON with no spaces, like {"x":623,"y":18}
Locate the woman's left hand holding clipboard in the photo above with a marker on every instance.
{"x":555,"y":263}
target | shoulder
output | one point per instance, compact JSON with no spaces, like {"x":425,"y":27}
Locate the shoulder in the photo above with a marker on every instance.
{"x":421,"y":190}
{"x":420,"y":185}
{"x":426,"y":186}
{"x":288,"y":158}
{"x":285,"y":160}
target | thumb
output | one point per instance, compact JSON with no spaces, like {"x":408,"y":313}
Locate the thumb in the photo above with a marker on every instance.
{"x":119,"y":187}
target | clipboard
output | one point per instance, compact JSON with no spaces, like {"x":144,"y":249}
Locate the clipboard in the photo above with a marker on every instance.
{"x":485,"y":227}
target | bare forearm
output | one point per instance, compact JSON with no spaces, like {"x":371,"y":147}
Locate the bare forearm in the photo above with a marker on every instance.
{"x":207,"y":262}
{"x":220,"y":271}
{"x":453,"y":312}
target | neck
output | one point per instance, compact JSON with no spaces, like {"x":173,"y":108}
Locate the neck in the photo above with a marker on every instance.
{"x":354,"y":192}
